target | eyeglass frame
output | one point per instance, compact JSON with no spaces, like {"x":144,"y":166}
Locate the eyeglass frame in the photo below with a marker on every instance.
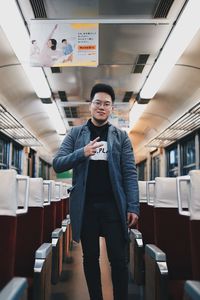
{"x":98,"y":103}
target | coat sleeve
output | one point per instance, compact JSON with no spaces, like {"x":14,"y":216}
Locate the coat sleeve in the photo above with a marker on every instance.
{"x":67,"y":158}
{"x":129,"y":173}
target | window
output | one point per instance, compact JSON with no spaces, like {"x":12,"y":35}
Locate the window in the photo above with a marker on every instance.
{"x":16,"y":157}
{"x":155,"y":167}
{"x":31,"y":162}
{"x":142,"y":170}
{"x":4,"y":153}
{"x":188,"y":156}
{"x":44,"y":169}
{"x":172,"y":161}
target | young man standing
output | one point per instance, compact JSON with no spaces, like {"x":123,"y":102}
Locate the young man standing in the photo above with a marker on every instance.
{"x":104,"y":197}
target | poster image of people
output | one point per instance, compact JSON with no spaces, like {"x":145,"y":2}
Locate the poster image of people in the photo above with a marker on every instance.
{"x":62,"y":44}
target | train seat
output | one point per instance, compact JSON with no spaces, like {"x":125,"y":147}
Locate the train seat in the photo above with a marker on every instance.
{"x":30,"y":230}
{"x":49,"y":211}
{"x":9,"y":181}
{"x":59,"y":203}
{"x":42,"y":272}
{"x":192,"y":290}
{"x":144,"y":234}
{"x":195,"y":222}
{"x":172,"y":234}
{"x":52,"y":233}
{"x":8,"y":224}
{"x":136,"y":264}
{"x":65,"y":200}
{"x":57,"y":234}
{"x":15,"y":289}
{"x":30,"y":236}
{"x":156,"y":274}
{"x":193,"y":213}
{"x":66,"y":227}
{"x":146,"y":211}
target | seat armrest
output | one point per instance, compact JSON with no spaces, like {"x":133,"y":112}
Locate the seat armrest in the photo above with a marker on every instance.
{"x":15,"y":289}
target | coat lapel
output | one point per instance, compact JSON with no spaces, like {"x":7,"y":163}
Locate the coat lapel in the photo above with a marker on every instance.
{"x":86,"y":135}
{"x":110,"y":140}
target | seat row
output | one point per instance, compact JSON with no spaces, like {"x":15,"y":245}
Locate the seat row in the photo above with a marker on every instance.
{"x":35,"y":234}
{"x":165,"y":248}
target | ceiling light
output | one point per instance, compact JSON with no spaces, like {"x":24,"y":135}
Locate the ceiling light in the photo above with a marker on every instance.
{"x":18,"y":37}
{"x":185,"y":29}
{"x":135,"y":113}
{"x":38,"y":81}
{"x":54,"y":114}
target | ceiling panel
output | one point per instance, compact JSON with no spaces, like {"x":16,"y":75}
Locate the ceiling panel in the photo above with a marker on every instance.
{"x":67,"y":9}
{"x":136,"y":32}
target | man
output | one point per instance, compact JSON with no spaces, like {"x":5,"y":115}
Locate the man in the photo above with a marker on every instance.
{"x":67,"y":51}
{"x":104,"y":195}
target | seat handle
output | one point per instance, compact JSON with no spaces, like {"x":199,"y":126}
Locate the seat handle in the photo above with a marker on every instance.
{"x":47,"y":183}
{"x":25,"y":207}
{"x":180,"y":179}
{"x":149,"y":199}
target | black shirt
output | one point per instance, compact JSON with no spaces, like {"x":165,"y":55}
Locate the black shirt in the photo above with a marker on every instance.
{"x":98,"y":186}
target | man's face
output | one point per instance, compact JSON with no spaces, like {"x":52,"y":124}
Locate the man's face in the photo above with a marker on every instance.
{"x":100,"y":108}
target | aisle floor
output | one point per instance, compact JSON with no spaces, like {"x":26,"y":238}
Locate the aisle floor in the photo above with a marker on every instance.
{"x":72,"y":285}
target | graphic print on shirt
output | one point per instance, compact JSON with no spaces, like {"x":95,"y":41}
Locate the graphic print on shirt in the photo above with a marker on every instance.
{"x":101,"y":153}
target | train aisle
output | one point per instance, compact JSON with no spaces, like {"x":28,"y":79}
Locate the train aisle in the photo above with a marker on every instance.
{"x":72,"y":285}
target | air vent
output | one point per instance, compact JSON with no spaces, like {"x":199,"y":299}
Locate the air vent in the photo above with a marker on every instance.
{"x":46,"y":100}
{"x":55,"y":70}
{"x":38,"y":9}
{"x":140,"y":63}
{"x":71,"y":112}
{"x":163,"y":8}
{"x":127,"y":96}
{"x":63,"y":96}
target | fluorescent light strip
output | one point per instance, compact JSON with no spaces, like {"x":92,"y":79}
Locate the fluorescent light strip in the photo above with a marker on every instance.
{"x":185,"y":29}
{"x":128,"y":20}
{"x":38,"y":81}
{"x":135,"y":113}
{"x":52,"y":111}
{"x":16,"y":32}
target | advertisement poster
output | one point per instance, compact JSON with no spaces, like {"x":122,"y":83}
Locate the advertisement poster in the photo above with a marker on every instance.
{"x":63,"y":44}
{"x":120,"y":115}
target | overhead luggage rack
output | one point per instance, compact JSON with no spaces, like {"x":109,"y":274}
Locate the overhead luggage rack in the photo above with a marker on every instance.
{"x":186,"y":124}
{"x":14,"y":129}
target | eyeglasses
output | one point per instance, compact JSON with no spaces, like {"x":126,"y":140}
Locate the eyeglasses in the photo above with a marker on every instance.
{"x":99,"y":103}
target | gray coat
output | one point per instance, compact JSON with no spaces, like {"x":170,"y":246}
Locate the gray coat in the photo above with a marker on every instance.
{"x":122,"y":171}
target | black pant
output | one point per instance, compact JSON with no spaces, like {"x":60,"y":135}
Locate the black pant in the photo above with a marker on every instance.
{"x":102,"y":219}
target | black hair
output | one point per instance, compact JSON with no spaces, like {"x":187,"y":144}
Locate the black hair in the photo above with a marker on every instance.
{"x":102,"y":88}
{"x":54,"y":43}
{"x":64,"y":40}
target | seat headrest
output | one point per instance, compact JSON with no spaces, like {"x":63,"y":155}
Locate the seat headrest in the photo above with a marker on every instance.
{"x":36,"y":192}
{"x":8,"y":192}
{"x":194,"y":206}
{"x":166,"y":193}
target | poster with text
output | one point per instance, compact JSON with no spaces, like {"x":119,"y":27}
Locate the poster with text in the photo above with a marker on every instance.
{"x":62,"y":44}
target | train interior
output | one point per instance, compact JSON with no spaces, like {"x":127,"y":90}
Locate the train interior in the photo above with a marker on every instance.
{"x":149,"y":52}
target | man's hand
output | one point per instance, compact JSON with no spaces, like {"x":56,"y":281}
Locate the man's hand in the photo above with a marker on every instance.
{"x":90,"y":149}
{"x":132,"y":219}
